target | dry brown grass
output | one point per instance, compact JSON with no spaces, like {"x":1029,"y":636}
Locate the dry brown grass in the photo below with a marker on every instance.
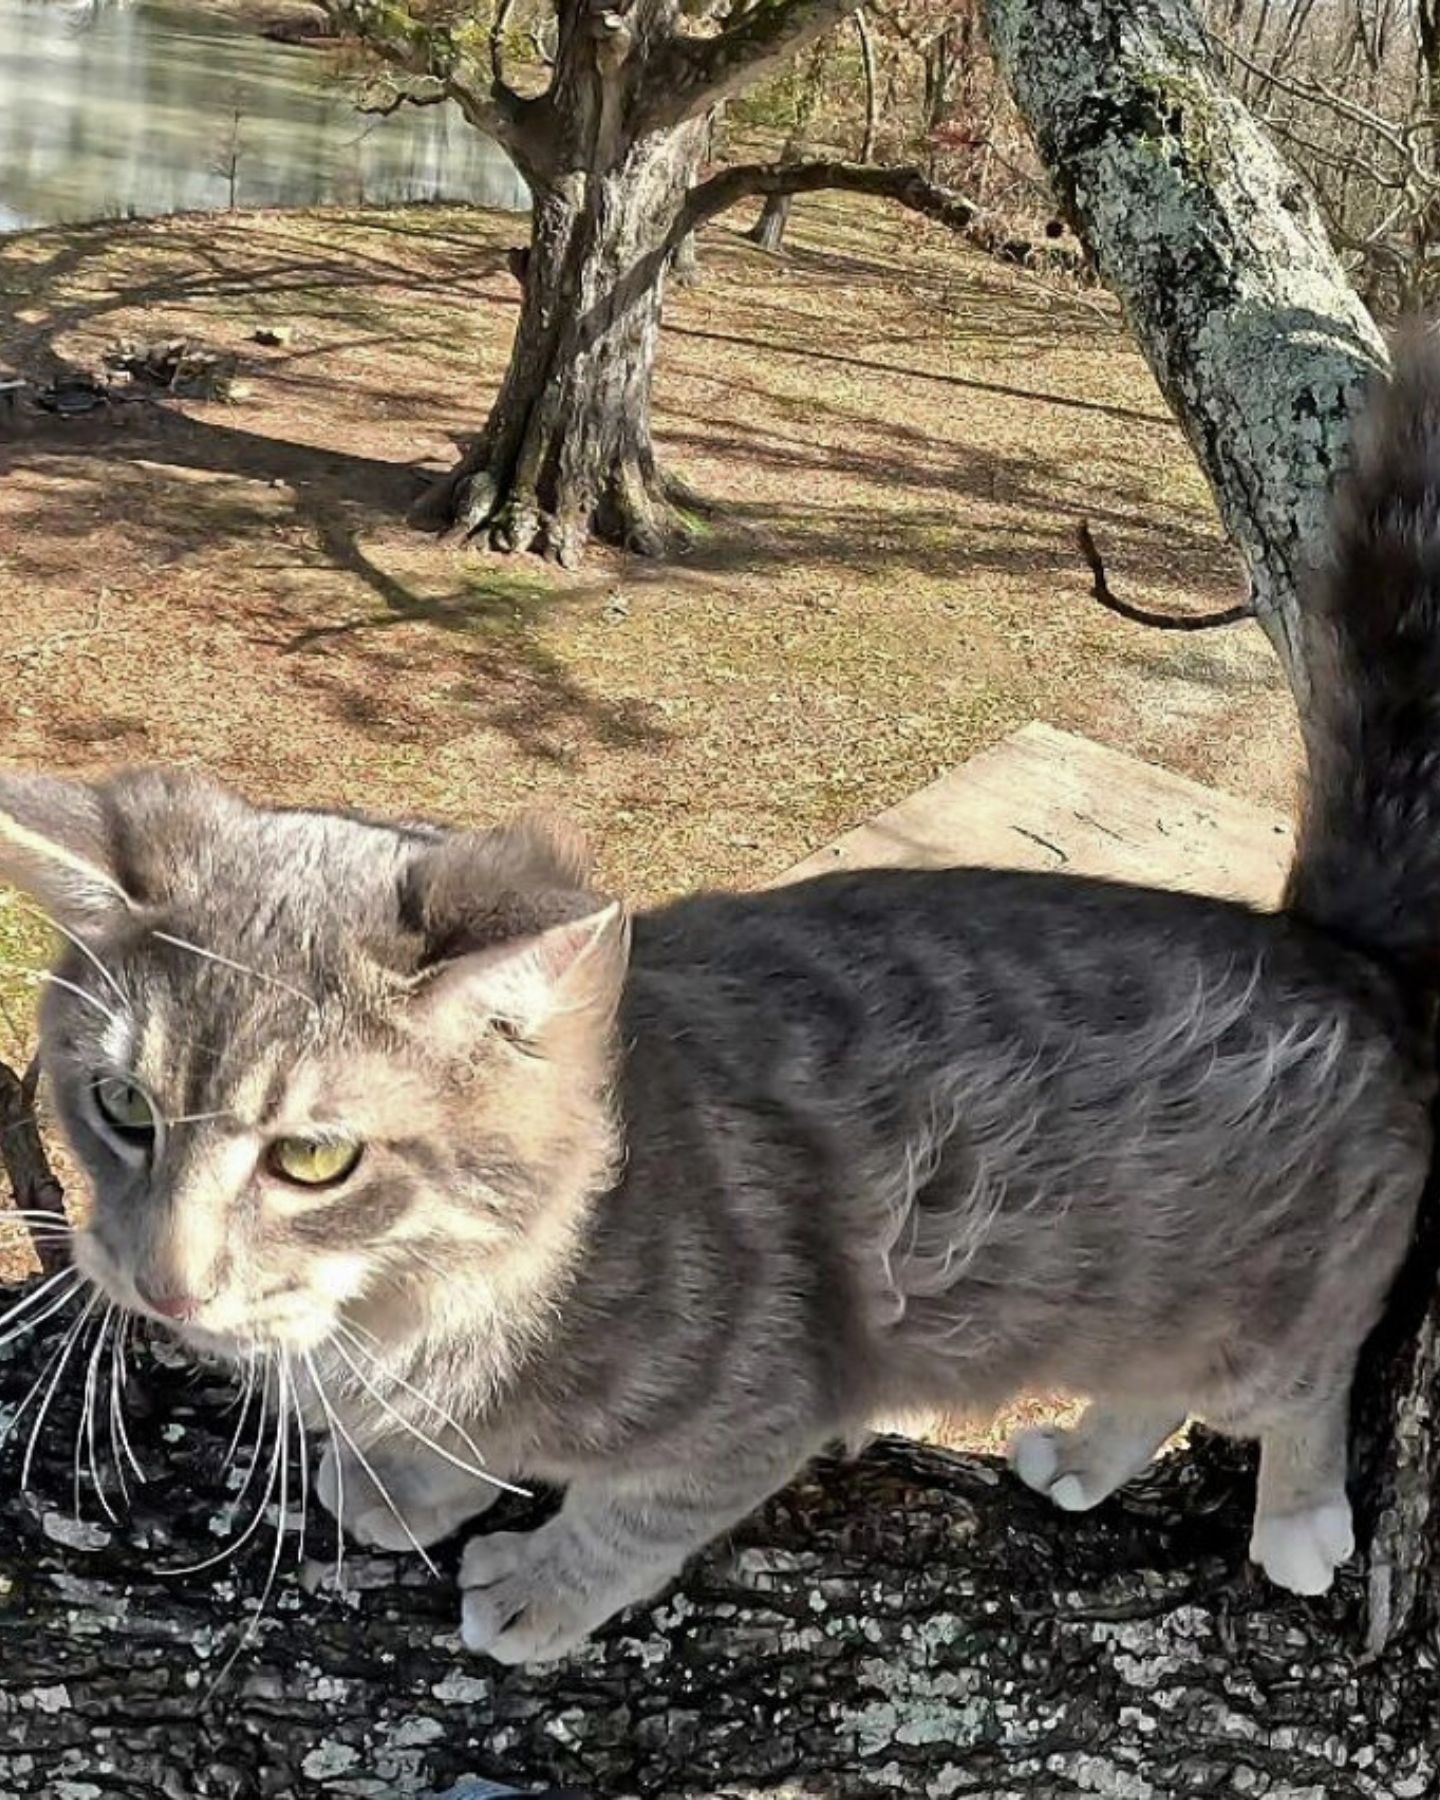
{"x":900,"y":433}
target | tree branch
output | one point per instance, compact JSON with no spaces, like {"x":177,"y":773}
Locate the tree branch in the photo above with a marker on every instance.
{"x":914,"y":1623}
{"x":907,"y":185}
{"x":1217,"y":253}
{"x":872,"y":90}
{"x":498,"y":27}
{"x":434,"y":56}
{"x":693,"y":74}
{"x":1111,"y":601}
{"x":384,"y":94}
{"x":33,"y":1182}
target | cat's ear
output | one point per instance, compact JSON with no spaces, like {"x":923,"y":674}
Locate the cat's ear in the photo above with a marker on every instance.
{"x":571,"y":970}
{"x":55,"y":846}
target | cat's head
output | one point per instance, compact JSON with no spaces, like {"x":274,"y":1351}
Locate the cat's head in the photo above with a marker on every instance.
{"x":316,"y":1068}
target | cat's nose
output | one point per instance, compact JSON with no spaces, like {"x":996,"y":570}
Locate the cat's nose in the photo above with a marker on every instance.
{"x":170,"y":1306}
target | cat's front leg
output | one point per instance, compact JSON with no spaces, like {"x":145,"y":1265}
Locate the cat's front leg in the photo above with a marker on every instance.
{"x":400,"y":1495}
{"x":534,"y":1596}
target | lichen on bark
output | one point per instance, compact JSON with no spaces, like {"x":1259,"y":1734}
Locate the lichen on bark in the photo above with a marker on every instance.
{"x":1216,"y":251}
{"x":912,"y":1623}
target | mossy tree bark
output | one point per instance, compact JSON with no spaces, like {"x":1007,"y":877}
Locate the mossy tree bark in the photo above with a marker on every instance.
{"x":911,"y":1624}
{"x":1218,"y":255}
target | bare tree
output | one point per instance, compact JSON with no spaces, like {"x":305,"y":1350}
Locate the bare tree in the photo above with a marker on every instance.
{"x":1351,"y":89}
{"x":610,"y":149}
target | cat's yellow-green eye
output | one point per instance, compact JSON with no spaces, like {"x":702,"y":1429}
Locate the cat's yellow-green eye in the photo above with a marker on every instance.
{"x":314,"y":1162}
{"x":125,"y":1106}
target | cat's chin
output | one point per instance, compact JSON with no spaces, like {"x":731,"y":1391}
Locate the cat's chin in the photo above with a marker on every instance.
{"x":245,"y":1341}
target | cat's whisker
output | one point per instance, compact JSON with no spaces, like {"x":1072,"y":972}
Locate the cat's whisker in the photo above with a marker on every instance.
{"x":60,"y":1363}
{"x":9,"y":1331}
{"x":82,"y":947}
{"x":201,"y":1118}
{"x":329,"y":1413}
{"x":116,"y":1420}
{"x":87,"y":1414}
{"x":120,"y":1375}
{"x":303,"y":1453}
{"x":229,"y":962}
{"x":257,"y":1518}
{"x":243,"y":1401}
{"x":282,"y":1439}
{"x":348,"y":1440}
{"x":243,"y":1487}
{"x":108,"y":1013}
{"x":476,"y":1469}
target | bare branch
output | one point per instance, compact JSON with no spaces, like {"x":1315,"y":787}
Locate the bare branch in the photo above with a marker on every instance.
{"x":33,"y":1182}
{"x":1398,"y":137}
{"x":908,"y":185}
{"x":385,"y":94}
{"x":695,"y":73}
{"x":872,"y":92}
{"x":1111,"y":601}
{"x":497,"y":38}
{"x":432,"y":54}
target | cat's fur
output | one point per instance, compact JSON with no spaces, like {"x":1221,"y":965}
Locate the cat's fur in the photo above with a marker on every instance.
{"x":654,"y":1211}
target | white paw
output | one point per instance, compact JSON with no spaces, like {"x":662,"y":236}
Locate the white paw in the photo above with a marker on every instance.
{"x":526,"y":1599}
{"x":519,"y":1604}
{"x":1301,"y":1551}
{"x":396,"y":1505}
{"x":1035,"y":1456}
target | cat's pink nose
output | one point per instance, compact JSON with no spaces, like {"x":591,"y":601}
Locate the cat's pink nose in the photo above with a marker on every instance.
{"x":170,"y":1306}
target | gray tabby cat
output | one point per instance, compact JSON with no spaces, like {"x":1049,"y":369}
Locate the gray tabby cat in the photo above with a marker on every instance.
{"x":653,"y":1209}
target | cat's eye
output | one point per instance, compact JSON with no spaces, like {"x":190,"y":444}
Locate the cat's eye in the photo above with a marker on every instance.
{"x":314,"y":1162}
{"x":125,"y":1107}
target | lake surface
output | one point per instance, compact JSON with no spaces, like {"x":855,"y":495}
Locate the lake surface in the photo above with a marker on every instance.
{"x":108,"y":110}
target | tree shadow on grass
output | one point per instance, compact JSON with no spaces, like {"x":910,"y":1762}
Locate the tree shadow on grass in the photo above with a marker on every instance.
{"x":312,"y":513}
{"x":336,"y":511}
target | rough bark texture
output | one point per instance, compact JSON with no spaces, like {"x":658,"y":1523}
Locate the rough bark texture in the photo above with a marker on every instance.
{"x":34,"y":1187}
{"x":1262,"y":348}
{"x":609,"y":151}
{"x":1217,"y":252}
{"x":910,"y":1624}
{"x":567,"y":447}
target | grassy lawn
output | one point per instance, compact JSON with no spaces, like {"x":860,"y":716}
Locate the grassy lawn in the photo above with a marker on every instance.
{"x":900,"y":434}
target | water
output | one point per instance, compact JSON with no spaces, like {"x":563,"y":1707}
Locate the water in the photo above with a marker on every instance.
{"x":147,"y":106}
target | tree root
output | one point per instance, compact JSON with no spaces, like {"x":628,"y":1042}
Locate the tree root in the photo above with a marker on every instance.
{"x":644,"y":509}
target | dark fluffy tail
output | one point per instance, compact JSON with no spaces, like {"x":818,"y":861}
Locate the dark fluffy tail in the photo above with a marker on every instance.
{"x":1367,"y":868}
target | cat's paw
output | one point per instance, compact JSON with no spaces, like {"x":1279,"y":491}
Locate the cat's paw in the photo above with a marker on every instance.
{"x":528,"y":1599}
{"x":1301,"y":1551}
{"x":397,"y":1504}
{"x":1038,"y":1455}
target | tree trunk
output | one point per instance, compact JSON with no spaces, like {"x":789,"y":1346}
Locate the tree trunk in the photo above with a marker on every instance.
{"x":768,"y":231}
{"x":567,"y":450}
{"x":1216,"y":251}
{"x":911,"y":1624}
{"x":808,"y":86}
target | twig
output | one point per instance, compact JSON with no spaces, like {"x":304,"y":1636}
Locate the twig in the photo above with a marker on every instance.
{"x":34,"y":1183}
{"x":1232,"y":615}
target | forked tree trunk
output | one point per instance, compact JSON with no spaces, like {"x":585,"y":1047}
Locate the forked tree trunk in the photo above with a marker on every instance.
{"x":567,"y":449}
